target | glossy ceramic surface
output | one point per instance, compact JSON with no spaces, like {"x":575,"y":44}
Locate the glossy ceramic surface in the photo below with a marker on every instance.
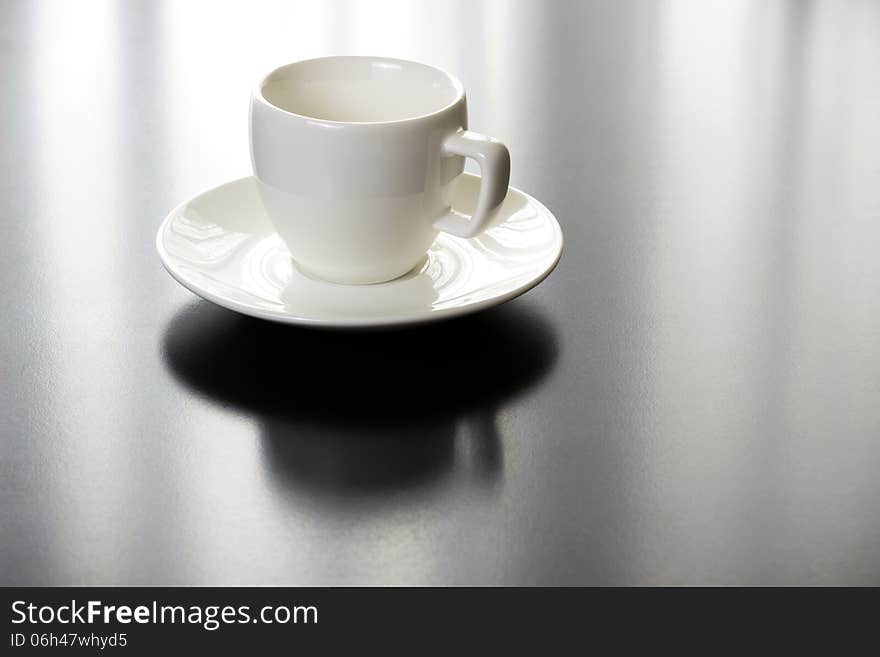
{"x":355,"y":159}
{"x":222,"y":246}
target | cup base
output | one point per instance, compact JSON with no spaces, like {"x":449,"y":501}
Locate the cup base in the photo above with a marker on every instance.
{"x":323,"y":276}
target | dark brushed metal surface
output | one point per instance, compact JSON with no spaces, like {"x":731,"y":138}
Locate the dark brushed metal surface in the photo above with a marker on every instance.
{"x":692,"y":397}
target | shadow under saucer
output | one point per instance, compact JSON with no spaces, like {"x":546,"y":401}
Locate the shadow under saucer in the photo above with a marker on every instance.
{"x":345,"y":416}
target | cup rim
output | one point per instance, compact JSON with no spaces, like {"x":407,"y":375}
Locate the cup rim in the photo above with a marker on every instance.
{"x":454,"y":81}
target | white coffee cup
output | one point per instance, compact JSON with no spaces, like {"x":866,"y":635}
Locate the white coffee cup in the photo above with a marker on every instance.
{"x":355,"y":158}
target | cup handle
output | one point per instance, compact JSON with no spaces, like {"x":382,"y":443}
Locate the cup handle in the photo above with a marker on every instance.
{"x":494,"y":161}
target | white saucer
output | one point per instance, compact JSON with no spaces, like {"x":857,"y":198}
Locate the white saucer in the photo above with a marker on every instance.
{"x":222,"y":246}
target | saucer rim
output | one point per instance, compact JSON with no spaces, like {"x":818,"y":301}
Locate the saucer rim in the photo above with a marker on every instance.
{"x":380,"y":322}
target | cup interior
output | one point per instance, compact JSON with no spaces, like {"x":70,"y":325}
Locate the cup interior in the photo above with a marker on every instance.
{"x":360,"y":89}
